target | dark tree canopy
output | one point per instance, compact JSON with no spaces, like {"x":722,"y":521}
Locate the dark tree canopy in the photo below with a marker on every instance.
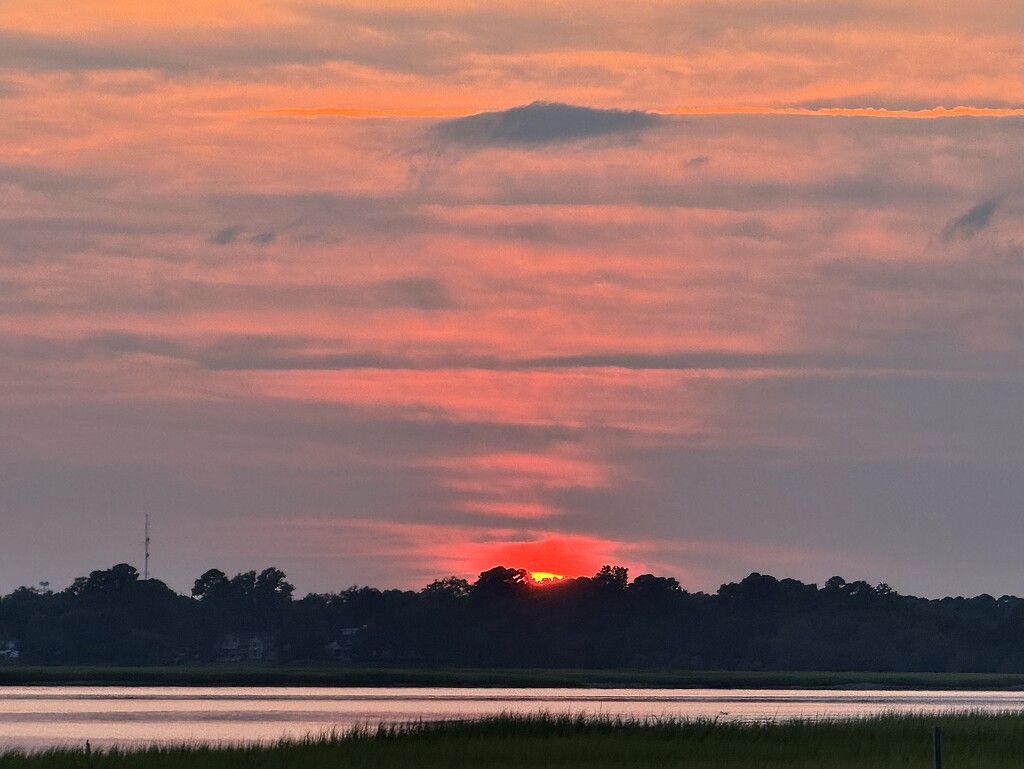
{"x":505,"y":619}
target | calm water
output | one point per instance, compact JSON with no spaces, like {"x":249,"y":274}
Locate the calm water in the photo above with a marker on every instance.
{"x":41,"y":716}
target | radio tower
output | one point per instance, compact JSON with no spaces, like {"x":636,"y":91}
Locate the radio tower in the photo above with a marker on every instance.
{"x":145,"y":565}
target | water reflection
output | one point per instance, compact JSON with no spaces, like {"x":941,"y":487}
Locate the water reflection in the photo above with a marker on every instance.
{"x":34,"y":717}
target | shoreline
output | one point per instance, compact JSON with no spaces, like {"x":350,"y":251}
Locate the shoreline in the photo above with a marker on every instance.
{"x":397,"y":677}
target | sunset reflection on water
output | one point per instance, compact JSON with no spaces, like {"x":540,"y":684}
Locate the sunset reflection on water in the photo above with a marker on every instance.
{"x":40,"y":717}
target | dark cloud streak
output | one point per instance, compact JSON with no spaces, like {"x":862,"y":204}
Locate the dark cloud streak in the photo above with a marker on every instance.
{"x":970,"y":223}
{"x":225,"y":236}
{"x":409,"y":293}
{"x":542,"y":123}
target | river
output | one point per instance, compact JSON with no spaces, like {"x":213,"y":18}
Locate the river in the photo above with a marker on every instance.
{"x":35,"y":717}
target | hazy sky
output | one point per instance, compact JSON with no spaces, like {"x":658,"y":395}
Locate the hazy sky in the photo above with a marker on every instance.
{"x":377,"y":292}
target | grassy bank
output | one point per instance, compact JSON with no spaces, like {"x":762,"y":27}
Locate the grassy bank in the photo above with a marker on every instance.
{"x":549,"y":742}
{"x":218,"y":675}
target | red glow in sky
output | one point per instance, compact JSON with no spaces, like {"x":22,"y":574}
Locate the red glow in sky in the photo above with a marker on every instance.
{"x":387,"y":291}
{"x":546,"y":577}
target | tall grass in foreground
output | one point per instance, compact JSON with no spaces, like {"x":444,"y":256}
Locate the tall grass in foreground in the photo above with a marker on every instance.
{"x":971,"y":740}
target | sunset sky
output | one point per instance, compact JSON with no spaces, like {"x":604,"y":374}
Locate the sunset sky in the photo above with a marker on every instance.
{"x":378,"y":292}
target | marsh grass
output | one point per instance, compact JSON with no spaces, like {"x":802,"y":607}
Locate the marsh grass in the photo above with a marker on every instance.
{"x":971,"y":740}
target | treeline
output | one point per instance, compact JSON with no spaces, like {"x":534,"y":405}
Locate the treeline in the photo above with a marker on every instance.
{"x":504,"y":619}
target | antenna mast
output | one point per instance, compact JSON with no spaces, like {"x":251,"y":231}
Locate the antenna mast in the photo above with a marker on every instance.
{"x":145,"y":567}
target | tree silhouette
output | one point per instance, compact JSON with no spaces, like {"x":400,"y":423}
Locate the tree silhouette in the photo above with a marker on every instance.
{"x":503,"y":619}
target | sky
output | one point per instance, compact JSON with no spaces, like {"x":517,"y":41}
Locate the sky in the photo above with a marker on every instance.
{"x":380,"y":292}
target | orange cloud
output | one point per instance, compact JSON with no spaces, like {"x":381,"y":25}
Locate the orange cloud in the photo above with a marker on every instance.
{"x":505,"y":508}
{"x":75,"y":16}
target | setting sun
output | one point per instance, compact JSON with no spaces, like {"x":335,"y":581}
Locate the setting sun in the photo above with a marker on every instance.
{"x":545,"y":577}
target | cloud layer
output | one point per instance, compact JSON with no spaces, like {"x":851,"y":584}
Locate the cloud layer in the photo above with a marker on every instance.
{"x":325,"y":286}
